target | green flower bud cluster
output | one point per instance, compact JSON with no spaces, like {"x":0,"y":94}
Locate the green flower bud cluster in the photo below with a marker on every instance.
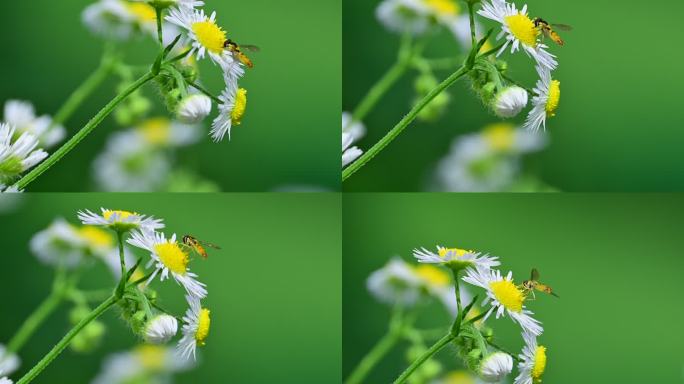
{"x":425,"y":83}
{"x":173,"y":83}
{"x":90,"y":337}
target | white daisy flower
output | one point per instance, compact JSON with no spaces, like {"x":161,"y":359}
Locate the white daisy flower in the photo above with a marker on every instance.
{"x":62,"y":244}
{"x":193,"y":108}
{"x":195,"y":330}
{"x":22,"y":116}
{"x":519,"y":31}
{"x":505,"y":297}
{"x":355,"y":129}
{"x":349,"y":154}
{"x":134,"y":166}
{"x":119,"y":19}
{"x":160,"y":132}
{"x":5,"y":380}
{"x":546,"y":102}
{"x":395,"y":284}
{"x":17,"y":156}
{"x":9,"y":362}
{"x":233,"y":70}
{"x":160,"y":329}
{"x":488,"y":160}
{"x":495,"y":367}
{"x":231,"y":112}
{"x":509,"y":102}
{"x":168,"y":258}
{"x":532,"y":361}
{"x":455,"y":258}
{"x":120,"y":220}
{"x":145,"y":363}
{"x":206,"y":36}
{"x":416,"y":16}
{"x":438,"y":283}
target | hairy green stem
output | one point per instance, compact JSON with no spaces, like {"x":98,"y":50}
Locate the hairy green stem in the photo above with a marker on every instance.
{"x":441,"y":343}
{"x":122,"y":282}
{"x":381,"y":348}
{"x":64,"y":342}
{"x":206,"y":92}
{"x":31,"y":324}
{"x":80,"y":135}
{"x":160,"y":34}
{"x":502,"y":349}
{"x":401,"y":125}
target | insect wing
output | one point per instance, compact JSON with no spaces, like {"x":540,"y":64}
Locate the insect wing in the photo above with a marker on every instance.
{"x":250,"y":47}
{"x":210,"y":245}
{"x":534,"y":276}
{"x":562,"y":27}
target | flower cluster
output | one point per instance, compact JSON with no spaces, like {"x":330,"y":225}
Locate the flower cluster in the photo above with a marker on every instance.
{"x":489,"y":160}
{"x":351,"y":133}
{"x":17,"y":154}
{"x":144,"y":363}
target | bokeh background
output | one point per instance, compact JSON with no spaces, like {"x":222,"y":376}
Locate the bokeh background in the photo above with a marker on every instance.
{"x":617,"y":128}
{"x":615,"y":261}
{"x":289,"y":135}
{"x":274,"y":289}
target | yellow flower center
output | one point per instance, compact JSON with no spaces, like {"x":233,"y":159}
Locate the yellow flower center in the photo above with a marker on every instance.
{"x":508,"y":295}
{"x":554,"y":98}
{"x":457,"y":251}
{"x":523,"y":29}
{"x":143,"y":12}
{"x":443,"y":7}
{"x":156,"y":130}
{"x":500,"y":137}
{"x":210,"y":35}
{"x":239,"y":107}
{"x":203,"y":323}
{"x":459,"y":377}
{"x":96,"y":237}
{"x":173,"y":257}
{"x":432,"y":275}
{"x":539,"y":363}
{"x":122,"y":215}
{"x":151,"y":357}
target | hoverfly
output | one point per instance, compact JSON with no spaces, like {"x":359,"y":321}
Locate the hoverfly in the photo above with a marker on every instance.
{"x":548,"y":30}
{"x":529,"y":286}
{"x":236,"y":49}
{"x":198,"y":245}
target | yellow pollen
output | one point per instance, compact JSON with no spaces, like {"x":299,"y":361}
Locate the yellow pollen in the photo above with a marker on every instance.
{"x":210,"y":35}
{"x":156,"y":130}
{"x":432,"y":275}
{"x":143,"y":12}
{"x":457,"y":251}
{"x":443,"y":7}
{"x":123,"y":215}
{"x":151,"y":357}
{"x":508,"y":295}
{"x":96,"y":237}
{"x":539,"y":363}
{"x":500,"y":137}
{"x":239,"y":107}
{"x":203,"y":323}
{"x":553,"y":99}
{"x":523,"y":29}
{"x":173,"y":257}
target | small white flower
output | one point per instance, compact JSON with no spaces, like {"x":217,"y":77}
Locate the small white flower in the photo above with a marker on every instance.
{"x":231,"y":112}
{"x":168,"y":258}
{"x":132,"y":168}
{"x":193,"y":108}
{"x":545,"y":103}
{"x":519,"y":31}
{"x":495,"y":367}
{"x":22,"y":116}
{"x":355,"y":129}
{"x":532,"y":361}
{"x":349,"y":154}
{"x":9,"y":362}
{"x":509,"y":102}
{"x":120,"y":220}
{"x":395,"y":284}
{"x":17,"y":156}
{"x":160,"y":329}
{"x":5,"y":380}
{"x":456,"y":258}
{"x":416,"y":16}
{"x":150,"y":363}
{"x":59,"y":245}
{"x":505,"y":297}
{"x":195,"y":330}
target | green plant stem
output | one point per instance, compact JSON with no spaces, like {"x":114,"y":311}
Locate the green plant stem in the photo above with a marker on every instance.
{"x":83,"y":91}
{"x":457,"y":290}
{"x":206,"y":92}
{"x":62,"y":344}
{"x":379,"y":89}
{"x":471,"y":14}
{"x":122,"y":282}
{"x":502,"y":349}
{"x":39,"y":315}
{"x":80,"y":135}
{"x":381,"y":348}
{"x":160,"y":34}
{"x":441,"y":343}
{"x":401,"y":125}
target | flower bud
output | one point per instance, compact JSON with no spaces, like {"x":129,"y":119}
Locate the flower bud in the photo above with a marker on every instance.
{"x":193,"y":108}
{"x":160,"y":329}
{"x":495,"y":366}
{"x":509,"y":102}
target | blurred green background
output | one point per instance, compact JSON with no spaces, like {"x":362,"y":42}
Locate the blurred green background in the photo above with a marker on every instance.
{"x":615,"y":261}
{"x":618,"y":125}
{"x":289,"y":135}
{"x":274,"y":289}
